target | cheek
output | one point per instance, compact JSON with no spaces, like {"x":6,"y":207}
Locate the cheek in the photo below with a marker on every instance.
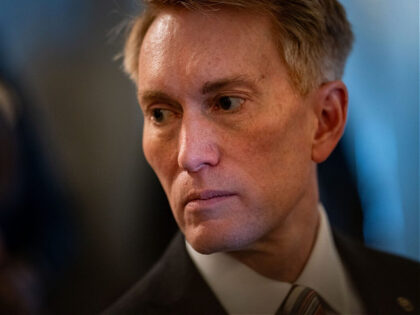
{"x":151,"y":150}
{"x":276,"y":152}
{"x":161,"y":155}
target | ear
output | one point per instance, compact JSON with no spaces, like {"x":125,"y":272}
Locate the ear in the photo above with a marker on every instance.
{"x":331,"y":102}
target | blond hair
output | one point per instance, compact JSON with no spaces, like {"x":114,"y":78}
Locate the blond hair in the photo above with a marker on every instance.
{"x":313,"y":37}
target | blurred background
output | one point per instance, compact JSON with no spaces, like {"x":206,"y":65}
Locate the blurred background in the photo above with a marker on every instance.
{"x":82,"y":216}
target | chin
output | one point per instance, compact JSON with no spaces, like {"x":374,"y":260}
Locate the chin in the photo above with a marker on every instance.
{"x":208,"y":240}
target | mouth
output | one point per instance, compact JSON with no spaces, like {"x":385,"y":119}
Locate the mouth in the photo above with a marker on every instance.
{"x":205,"y":198}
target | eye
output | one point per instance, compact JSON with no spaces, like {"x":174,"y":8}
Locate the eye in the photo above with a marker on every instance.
{"x":229,"y":103}
{"x":160,"y":115}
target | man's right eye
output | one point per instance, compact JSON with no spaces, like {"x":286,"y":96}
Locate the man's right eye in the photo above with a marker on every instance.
{"x":160,"y":115}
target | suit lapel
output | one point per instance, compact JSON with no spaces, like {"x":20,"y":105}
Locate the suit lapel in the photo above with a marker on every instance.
{"x":186,"y":292}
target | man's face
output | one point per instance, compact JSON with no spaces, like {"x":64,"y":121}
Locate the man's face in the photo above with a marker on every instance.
{"x":225,"y":132}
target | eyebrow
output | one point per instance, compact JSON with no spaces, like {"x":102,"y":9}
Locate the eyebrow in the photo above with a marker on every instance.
{"x":214,"y":86}
{"x":153,"y":96}
{"x":207,"y":88}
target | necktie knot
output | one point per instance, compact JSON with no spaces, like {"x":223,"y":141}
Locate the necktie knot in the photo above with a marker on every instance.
{"x":301,"y":301}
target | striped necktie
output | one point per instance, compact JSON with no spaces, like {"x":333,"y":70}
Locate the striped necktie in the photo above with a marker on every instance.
{"x":301,"y":301}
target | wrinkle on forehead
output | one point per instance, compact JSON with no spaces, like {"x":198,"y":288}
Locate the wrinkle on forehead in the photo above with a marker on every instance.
{"x":193,"y":45}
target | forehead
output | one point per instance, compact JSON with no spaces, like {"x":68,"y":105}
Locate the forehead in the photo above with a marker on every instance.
{"x":203,"y":46}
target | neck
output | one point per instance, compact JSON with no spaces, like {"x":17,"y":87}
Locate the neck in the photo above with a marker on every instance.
{"x":282,"y":254}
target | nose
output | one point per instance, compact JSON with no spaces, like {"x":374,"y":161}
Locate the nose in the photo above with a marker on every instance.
{"x":198,"y":147}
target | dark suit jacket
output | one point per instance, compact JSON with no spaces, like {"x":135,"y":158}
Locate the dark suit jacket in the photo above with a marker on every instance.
{"x":174,"y":285}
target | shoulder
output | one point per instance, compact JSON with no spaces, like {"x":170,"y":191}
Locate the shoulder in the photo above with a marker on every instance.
{"x":384,"y":281}
{"x":357,"y":255}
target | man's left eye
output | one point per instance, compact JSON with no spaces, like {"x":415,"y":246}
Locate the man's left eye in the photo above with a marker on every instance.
{"x":229,"y":103}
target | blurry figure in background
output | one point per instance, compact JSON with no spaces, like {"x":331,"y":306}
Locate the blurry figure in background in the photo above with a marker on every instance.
{"x":18,"y":282}
{"x":36,"y":239}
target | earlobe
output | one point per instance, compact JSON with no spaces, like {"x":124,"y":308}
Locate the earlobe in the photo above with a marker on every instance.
{"x":331,"y":114}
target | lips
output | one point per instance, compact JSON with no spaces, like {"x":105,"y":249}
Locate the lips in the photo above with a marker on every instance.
{"x":206,"y":197}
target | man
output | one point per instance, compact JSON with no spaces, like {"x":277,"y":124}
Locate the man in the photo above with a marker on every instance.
{"x":241,"y":100}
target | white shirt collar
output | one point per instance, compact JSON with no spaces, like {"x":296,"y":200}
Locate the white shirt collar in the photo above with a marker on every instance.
{"x":324,"y":272}
{"x":241,"y":290}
